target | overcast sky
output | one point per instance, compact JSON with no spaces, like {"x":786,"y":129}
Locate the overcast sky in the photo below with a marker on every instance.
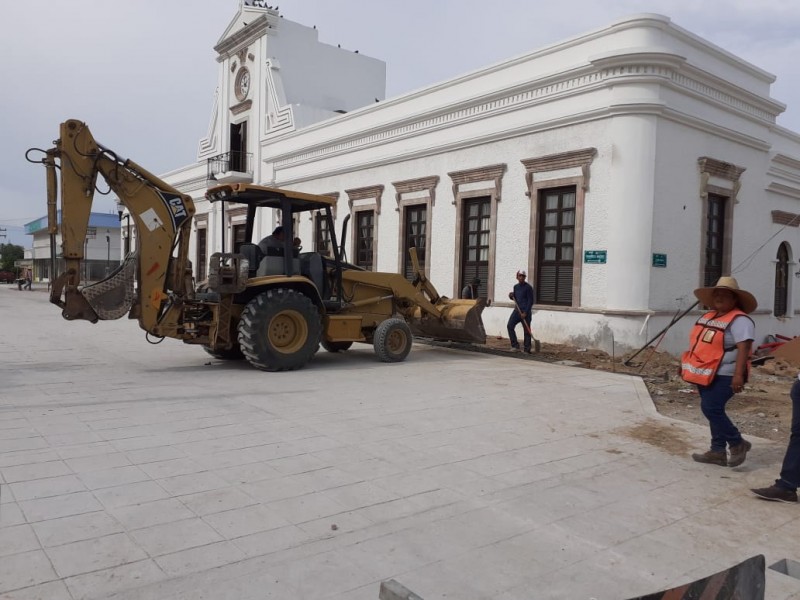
{"x":142,"y":73}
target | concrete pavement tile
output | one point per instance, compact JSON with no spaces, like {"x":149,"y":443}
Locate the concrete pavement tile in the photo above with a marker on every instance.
{"x":18,"y":433}
{"x":387,"y":511}
{"x":116,"y":476}
{"x":342,"y":456}
{"x":392,"y":554}
{"x":434,"y":498}
{"x":12,"y":420}
{"x":360,"y":495}
{"x":275,"y":540}
{"x":18,"y":539}
{"x":244,"y":521}
{"x":409,"y":483}
{"x":27,"y":457}
{"x":269,"y":449}
{"x":24,"y":570}
{"x":293,"y":465}
{"x":371,"y":468}
{"x":74,"y":439}
{"x":365,"y":592}
{"x":94,"y":554}
{"x":272,"y":490}
{"x":199,"y":559}
{"x":66,"y":530}
{"x":54,"y":507}
{"x":227,"y":458}
{"x":148,"y":514}
{"x":105,"y":583}
{"x":555,"y":548}
{"x":31,"y":443}
{"x":343,"y":522}
{"x":43,"y":488}
{"x":98,"y":463}
{"x":35,"y":471}
{"x":323,"y":574}
{"x":193,"y":483}
{"x":305,"y":508}
{"x":214,"y":501}
{"x":172,"y":537}
{"x":157,"y":454}
{"x":249,"y":473}
{"x":130,"y":494}
{"x":172,"y":468}
{"x":82,"y":450}
{"x":55,"y":590}
{"x":10,"y":515}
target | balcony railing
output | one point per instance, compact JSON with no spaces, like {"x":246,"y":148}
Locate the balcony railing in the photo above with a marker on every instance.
{"x":231,"y":166}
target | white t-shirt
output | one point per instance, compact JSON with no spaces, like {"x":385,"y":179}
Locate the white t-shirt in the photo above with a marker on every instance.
{"x":740,"y":330}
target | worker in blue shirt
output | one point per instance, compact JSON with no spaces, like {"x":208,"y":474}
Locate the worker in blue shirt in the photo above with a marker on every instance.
{"x":523,"y":299}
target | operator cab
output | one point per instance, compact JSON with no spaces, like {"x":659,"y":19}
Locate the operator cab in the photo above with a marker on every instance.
{"x":286,"y":260}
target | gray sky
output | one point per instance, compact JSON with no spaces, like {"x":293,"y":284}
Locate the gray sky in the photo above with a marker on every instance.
{"x":142,"y":73}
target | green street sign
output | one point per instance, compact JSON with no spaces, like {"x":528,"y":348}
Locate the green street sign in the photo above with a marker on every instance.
{"x":597,"y":257}
{"x":659,"y":260}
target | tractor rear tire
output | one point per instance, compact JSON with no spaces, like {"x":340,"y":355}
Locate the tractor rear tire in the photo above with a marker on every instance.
{"x":232,"y":353}
{"x":336,"y":346}
{"x":392,"y":340}
{"x":280,"y":330}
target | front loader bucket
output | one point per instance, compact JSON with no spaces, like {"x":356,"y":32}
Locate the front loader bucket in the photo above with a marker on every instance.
{"x":460,"y":321}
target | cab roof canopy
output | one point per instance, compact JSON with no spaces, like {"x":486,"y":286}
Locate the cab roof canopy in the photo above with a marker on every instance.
{"x":261,"y":196}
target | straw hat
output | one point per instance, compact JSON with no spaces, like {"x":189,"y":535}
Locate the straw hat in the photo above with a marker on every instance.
{"x":747,"y":302}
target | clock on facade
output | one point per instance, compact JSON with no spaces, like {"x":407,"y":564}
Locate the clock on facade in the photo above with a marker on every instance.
{"x":242,"y":85}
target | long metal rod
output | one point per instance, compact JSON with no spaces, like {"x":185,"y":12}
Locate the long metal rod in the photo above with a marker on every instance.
{"x":674,"y":320}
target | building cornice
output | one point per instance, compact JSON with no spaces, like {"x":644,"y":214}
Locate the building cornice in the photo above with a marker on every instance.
{"x":635,"y":68}
{"x":573,"y":119}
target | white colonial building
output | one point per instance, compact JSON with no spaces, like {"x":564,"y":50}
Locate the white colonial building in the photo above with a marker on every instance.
{"x":623,"y":168}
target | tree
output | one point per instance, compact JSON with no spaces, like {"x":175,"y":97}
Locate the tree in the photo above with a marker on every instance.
{"x":8,"y":254}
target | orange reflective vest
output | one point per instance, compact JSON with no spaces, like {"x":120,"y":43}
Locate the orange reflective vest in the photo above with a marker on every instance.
{"x":699,"y":364}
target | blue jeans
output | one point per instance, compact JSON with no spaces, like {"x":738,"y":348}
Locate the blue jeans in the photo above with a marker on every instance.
{"x":713,"y":399}
{"x":790,"y":472}
{"x":513,"y":321}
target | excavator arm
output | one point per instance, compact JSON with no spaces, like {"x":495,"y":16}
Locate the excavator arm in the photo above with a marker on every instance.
{"x":162,"y":216}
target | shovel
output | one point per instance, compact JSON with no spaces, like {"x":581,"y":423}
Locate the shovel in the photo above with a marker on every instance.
{"x":536,"y":343}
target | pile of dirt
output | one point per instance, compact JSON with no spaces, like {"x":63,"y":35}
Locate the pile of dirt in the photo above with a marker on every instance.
{"x":763,"y":409}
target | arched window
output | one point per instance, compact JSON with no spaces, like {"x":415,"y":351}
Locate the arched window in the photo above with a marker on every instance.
{"x":782,"y":281}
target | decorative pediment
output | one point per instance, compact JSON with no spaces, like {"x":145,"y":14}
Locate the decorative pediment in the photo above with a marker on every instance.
{"x":372,"y":192}
{"x":492,"y":173}
{"x":420,"y":184}
{"x":721,"y":169}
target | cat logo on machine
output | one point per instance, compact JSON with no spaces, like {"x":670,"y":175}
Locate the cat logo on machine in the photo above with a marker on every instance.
{"x":178,"y":209}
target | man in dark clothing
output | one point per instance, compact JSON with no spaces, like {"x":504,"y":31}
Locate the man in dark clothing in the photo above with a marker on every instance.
{"x":470,"y":291}
{"x":523,"y":296}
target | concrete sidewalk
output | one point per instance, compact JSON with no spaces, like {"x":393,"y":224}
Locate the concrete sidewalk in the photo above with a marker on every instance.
{"x":130,"y":470}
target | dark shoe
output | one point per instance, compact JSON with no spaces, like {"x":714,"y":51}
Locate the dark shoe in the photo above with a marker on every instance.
{"x":514,"y":348}
{"x":527,"y":350}
{"x":776,"y":494}
{"x":711,"y":458}
{"x":739,"y":453}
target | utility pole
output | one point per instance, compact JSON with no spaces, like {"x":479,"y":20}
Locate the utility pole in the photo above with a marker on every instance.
{"x":3,"y":232}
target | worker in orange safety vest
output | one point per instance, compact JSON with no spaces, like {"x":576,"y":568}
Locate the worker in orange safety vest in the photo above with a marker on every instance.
{"x":718,"y":362}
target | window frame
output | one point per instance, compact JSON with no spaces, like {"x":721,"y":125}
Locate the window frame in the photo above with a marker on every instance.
{"x":412,"y":192}
{"x":475,"y":183}
{"x":546,"y":172}
{"x":360,"y":200}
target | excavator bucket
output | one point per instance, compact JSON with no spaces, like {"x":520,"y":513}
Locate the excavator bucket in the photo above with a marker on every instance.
{"x":460,"y":321}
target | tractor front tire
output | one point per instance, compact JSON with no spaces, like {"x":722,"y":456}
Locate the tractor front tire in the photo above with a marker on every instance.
{"x":336,"y":346}
{"x":392,"y":340}
{"x":280,"y":330}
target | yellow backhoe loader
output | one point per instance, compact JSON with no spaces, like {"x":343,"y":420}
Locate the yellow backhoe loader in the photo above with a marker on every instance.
{"x":273,"y":306}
